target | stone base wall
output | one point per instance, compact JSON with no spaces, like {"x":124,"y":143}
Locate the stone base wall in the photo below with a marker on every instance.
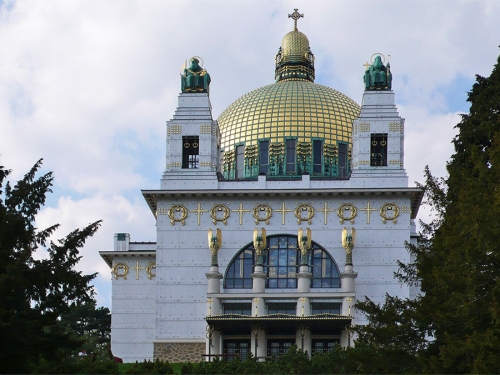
{"x":179,"y":352}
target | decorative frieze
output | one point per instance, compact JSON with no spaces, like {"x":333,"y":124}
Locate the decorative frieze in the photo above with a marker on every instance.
{"x":122,"y":269}
{"x":264,"y":212}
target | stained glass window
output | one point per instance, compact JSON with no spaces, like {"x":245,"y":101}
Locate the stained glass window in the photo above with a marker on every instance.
{"x":281,"y":262}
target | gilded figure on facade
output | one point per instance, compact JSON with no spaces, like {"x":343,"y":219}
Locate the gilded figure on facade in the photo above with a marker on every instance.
{"x":348,"y":242}
{"x":304,"y":239}
{"x":259,"y":244}
{"x":214,"y":244}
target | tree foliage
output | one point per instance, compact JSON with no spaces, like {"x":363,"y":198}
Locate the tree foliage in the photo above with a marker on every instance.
{"x":36,"y":293}
{"x":454,"y":326}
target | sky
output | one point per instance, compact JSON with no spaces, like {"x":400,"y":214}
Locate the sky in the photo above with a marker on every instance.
{"x":88,"y":86}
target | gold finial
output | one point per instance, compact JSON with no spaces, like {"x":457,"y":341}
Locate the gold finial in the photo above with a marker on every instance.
{"x":295,"y":16}
{"x":367,"y":65}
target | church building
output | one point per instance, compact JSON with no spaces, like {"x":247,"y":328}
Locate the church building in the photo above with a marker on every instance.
{"x":272,"y":221}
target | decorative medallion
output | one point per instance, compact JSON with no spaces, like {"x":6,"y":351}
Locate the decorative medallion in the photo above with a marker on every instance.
{"x":177,"y":213}
{"x":389,"y":211}
{"x":149,"y":270}
{"x":304,"y":212}
{"x":161,"y":211}
{"x":120,"y":270}
{"x":262,"y":212}
{"x":219,"y":212}
{"x":347,"y":211}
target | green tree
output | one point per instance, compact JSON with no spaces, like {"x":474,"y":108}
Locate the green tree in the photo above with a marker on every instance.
{"x":36,"y":293}
{"x":91,"y":325}
{"x":454,"y":326}
{"x":462,"y":281}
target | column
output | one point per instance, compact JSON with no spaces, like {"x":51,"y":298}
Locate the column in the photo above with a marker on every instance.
{"x":213,"y":337}
{"x":258,"y":343}
{"x":303,"y":334}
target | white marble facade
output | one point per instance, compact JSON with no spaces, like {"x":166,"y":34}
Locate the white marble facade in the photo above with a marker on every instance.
{"x":168,"y":304}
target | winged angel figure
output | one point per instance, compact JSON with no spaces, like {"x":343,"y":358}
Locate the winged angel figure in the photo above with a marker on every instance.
{"x":348,"y":242}
{"x":304,"y":244}
{"x":259,"y":244}
{"x":214,"y":244}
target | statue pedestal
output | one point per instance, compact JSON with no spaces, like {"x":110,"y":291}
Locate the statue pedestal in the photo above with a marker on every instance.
{"x":214,"y":277}
{"x":259,"y":280}
{"x":348,"y":279}
{"x":304,"y":279}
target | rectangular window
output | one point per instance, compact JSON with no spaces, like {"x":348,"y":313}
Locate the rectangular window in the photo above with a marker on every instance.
{"x":290,"y":156}
{"x":326,"y":307}
{"x":324,"y":345}
{"x":378,"y":150}
{"x":281,"y":308}
{"x":275,"y":348}
{"x":240,"y":161}
{"x":342,"y":160}
{"x":317,"y":156}
{"x":238,"y":308}
{"x":236,"y":348}
{"x":264,"y":156}
{"x":190,"y":152}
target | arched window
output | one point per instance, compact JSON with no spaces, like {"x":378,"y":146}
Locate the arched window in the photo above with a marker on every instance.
{"x":281,"y":263}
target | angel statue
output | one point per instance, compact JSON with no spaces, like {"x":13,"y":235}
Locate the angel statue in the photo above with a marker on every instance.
{"x":259,"y":244}
{"x":304,"y":244}
{"x":214,"y":243}
{"x":348,"y":242}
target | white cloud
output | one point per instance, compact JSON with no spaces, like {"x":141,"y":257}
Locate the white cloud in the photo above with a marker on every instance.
{"x":88,"y":86}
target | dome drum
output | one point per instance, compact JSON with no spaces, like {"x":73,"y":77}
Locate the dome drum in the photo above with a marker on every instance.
{"x":288,"y":159}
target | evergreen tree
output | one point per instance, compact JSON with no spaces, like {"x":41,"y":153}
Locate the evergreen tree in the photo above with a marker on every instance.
{"x":91,"y":325}
{"x":462,"y":283}
{"x":36,"y":293}
{"x":454,"y":326}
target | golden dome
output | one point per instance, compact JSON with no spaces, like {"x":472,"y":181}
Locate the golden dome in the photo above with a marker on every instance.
{"x":295,"y":46}
{"x":289,"y":108}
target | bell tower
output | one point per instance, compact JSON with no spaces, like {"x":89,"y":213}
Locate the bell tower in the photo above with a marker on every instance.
{"x":378,"y":132}
{"x":193,"y":137}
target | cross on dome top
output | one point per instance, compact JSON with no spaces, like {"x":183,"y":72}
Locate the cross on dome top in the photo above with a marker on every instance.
{"x":295,"y":16}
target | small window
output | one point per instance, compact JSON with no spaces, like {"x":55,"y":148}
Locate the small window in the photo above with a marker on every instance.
{"x":290,"y":156}
{"x":238,"y":308}
{"x":322,"y":346}
{"x":342,"y":160}
{"x":281,"y":308}
{"x":275,"y":348}
{"x":190,"y":152}
{"x":264,"y":156}
{"x":317,"y":156}
{"x":378,"y":150}
{"x":240,"y":161}
{"x":326,"y":307}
